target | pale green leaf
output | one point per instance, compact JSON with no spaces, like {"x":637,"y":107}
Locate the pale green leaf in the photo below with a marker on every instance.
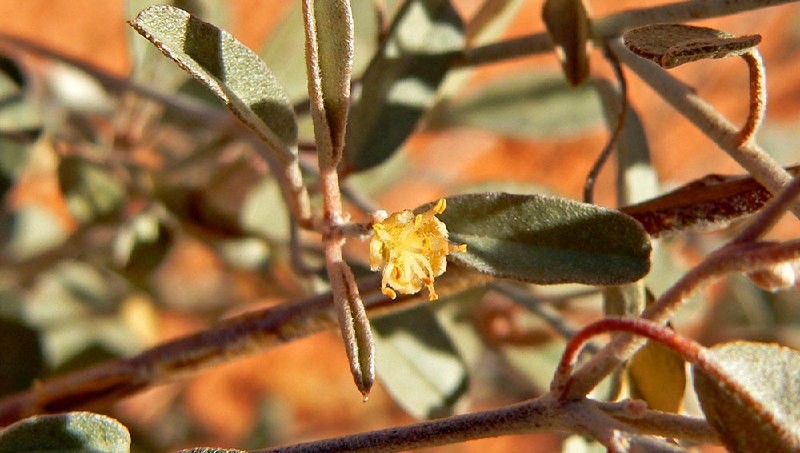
{"x":74,"y":432}
{"x":524,"y":106}
{"x":402,"y":80}
{"x":418,"y":364}
{"x":232,"y":71}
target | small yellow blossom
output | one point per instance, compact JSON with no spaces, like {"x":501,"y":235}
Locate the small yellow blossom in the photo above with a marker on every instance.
{"x":411,"y":250}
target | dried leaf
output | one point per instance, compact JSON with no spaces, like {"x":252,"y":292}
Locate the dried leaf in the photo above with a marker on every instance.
{"x":671,"y":45}
{"x":712,"y":201}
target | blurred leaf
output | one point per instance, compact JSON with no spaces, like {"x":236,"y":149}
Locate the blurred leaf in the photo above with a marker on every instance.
{"x":658,"y":376}
{"x":21,"y":355}
{"x":18,"y":112}
{"x":455,"y":316}
{"x":264,"y":212}
{"x":74,"y":307}
{"x":77,"y":91}
{"x":418,"y":364}
{"x":624,"y":300}
{"x":76,"y":432}
{"x":228,"y":68}
{"x":755,"y":406}
{"x":492,"y":20}
{"x":31,"y":231}
{"x":524,"y":106}
{"x":290,"y":67}
{"x":142,"y":243}
{"x":90,"y":191}
{"x":13,"y":156}
{"x":546,"y":240}
{"x":401,"y":82}
{"x":536,"y":364}
{"x":567,"y":23}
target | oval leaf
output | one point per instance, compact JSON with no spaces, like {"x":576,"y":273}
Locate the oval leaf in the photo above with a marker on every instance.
{"x":418,"y":364}
{"x":755,"y":406}
{"x":401,"y":82}
{"x":546,"y":240}
{"x":76,"y":432}
{"x":228,"y":68}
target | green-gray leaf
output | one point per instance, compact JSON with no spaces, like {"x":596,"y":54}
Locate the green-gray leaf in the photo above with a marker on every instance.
{"x":76,"y":432}
{"x":401,"y":82}
{"x":759,"y":408}
{"x":228,"y":68}
{"x":418,"y":363}
{"x":546,"y":240}
{"x":91,"y":192}
{"x":542,"y":106}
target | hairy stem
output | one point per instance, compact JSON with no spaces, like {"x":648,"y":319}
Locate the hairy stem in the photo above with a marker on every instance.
{"x":732,"y":258}
{"x":758,"y":95}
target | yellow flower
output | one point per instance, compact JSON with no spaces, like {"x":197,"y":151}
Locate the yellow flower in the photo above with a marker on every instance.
{"x":411,"y":250}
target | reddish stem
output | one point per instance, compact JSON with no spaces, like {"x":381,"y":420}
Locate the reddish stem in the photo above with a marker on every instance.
{"x":689,"y":349}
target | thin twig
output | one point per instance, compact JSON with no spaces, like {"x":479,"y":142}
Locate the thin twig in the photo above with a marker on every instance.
{"x":613,"y":25}
{"x":733,"y":258}
{"x":749,"y":155}
{"x":542,"y":414}
{"x":664,"y":424}
{"x":530,"y":302}
{"x":770,"y":213}
{"x":591,"y":178}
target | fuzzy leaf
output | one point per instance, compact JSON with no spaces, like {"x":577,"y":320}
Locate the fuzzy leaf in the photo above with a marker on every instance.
{"x":401,"y":82}
{"x":546,"y":240}
{"x":228,"y":68}
{"x":76,"y":432}
{"x":329,"y":45}
{"x":418,"y":363}
{"x":755,"y":406}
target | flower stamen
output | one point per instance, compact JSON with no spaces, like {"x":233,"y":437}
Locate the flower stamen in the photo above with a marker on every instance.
{"x":411,"y":250}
